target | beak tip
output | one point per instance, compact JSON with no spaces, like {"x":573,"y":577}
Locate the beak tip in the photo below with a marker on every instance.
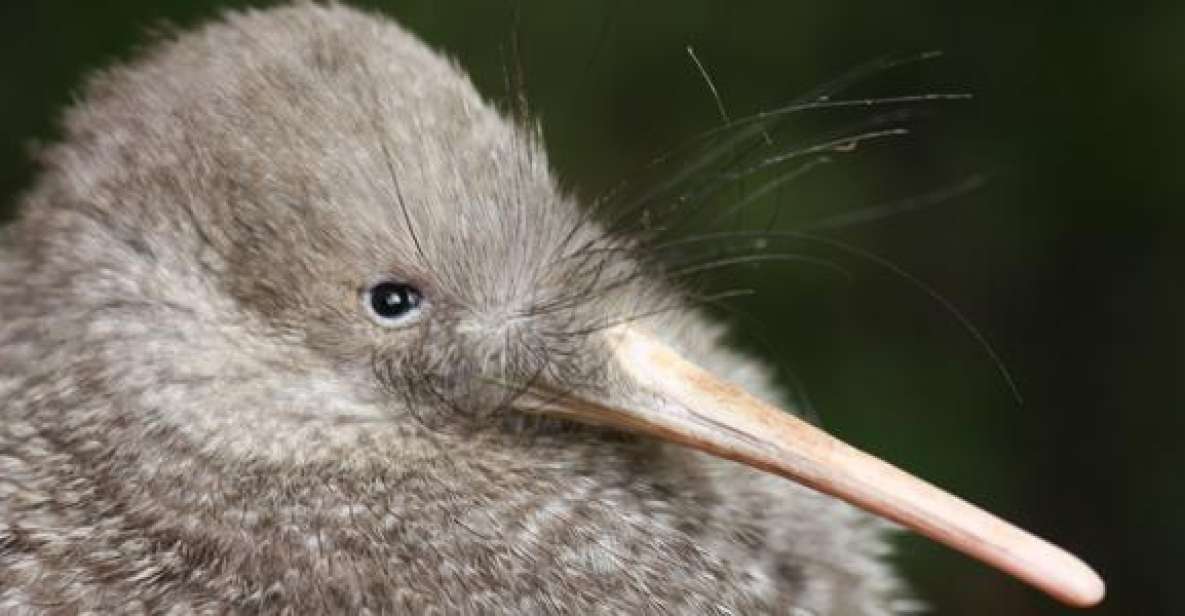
{"x":1078,"y":585}
{"x":1091,"y":590}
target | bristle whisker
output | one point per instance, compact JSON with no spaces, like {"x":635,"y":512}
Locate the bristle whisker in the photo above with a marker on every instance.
{"x":690,"y":203}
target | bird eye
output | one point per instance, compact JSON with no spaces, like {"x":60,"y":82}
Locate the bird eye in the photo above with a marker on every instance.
{"x":392,"y":303}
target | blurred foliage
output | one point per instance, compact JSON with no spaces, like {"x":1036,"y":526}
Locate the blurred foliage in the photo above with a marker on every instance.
{"x":1068,"y":257}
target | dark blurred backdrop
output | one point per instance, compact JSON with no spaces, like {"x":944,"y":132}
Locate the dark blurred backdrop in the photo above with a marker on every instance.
{"x":1066,"y":253}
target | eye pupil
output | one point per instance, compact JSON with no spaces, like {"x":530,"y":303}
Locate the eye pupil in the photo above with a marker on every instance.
{"x":393,"y":300}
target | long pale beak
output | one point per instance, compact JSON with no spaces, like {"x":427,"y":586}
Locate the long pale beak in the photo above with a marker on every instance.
{"x":680,"y":402}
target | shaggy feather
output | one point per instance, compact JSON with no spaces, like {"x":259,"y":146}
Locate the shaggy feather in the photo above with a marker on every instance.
{"x":197,"y":416}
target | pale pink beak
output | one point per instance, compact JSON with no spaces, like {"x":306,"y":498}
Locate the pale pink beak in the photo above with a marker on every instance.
{"x":680,"y":402}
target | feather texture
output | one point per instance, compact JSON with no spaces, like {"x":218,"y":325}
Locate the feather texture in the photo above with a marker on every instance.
{"x":196,"y":416}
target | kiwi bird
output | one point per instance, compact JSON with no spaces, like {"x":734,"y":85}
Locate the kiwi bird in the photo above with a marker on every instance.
{"x":293,"y":321}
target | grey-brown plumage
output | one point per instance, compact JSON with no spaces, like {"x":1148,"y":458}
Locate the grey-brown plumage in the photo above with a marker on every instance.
{"x":199,"y":413}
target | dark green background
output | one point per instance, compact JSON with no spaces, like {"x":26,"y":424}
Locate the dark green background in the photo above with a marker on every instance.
{"x":1068,"y":258}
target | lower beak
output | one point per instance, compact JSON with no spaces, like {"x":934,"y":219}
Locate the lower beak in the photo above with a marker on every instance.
{"x":677,"y":401}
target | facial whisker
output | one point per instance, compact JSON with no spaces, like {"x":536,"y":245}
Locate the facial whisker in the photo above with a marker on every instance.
{"x":841,"y":141}
{"x":762,"y":119}
{"x":876,"y":213}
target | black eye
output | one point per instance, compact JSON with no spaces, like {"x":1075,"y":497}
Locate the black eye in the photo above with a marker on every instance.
{"x":392,"y":303}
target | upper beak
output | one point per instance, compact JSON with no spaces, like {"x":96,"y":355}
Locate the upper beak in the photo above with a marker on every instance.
{"x":680,"y":402}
